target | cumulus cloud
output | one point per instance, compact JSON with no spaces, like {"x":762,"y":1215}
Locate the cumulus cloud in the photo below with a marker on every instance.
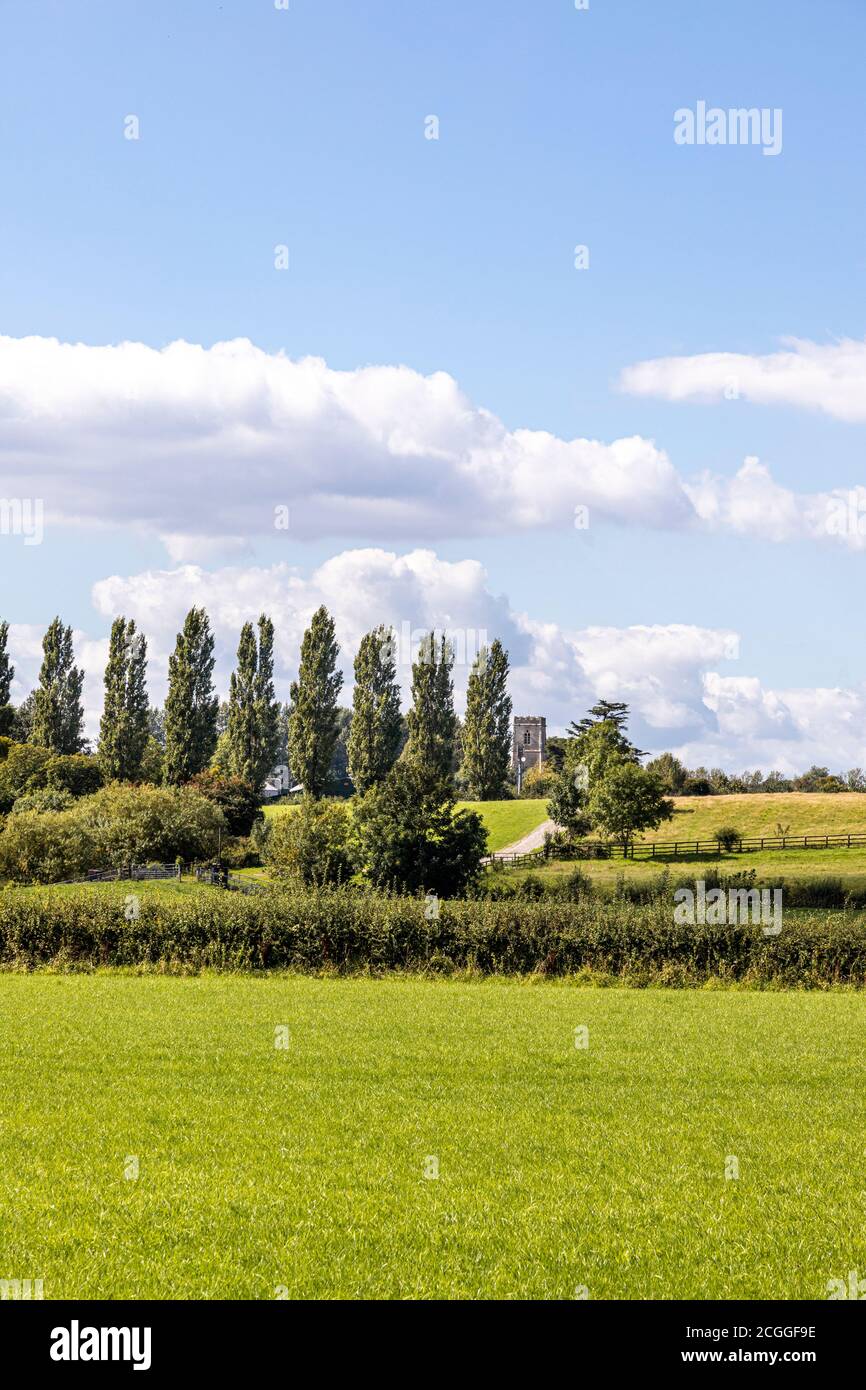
{"x":216,"y":448}
{"x":236,"y":441}
{"x":828,"y":377}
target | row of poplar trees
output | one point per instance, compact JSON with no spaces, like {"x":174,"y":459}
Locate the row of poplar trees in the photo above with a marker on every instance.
{"x":430,"y":737}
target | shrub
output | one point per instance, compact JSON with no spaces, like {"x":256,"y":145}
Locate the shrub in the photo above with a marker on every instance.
{"x":49,"y":799}
{"x":120,"y":824}
{"x":238,"y":800}
{"x":132,"y":824}
{"x":23,"y":770}
{"x":538,"y":782}
{"x":312,"y":844}
{"x":46,"y":847}
{"x":728,"y":837}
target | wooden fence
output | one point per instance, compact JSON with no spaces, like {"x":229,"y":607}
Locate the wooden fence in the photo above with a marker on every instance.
{"x":678,"y":849}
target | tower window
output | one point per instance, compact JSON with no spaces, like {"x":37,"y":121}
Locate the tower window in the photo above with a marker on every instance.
{"x":527,"y":737}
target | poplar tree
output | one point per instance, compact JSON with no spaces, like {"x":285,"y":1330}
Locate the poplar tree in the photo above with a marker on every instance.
{"x":7,"y":672}
{"x":124,"y":727}
{"x":58,"y":716}
{"x":313,"y":722}
{"x":431,"y":720}
{"x":253,"y":733}
{"x":486,"y":734}
{"x":191,"y":706}
{"x":376,"y":728}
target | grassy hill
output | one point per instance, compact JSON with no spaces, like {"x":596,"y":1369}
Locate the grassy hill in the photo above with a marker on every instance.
{"x":803,"y":813}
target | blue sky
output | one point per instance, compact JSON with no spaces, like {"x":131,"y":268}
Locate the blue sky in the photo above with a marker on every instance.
{"x":305,"y":127}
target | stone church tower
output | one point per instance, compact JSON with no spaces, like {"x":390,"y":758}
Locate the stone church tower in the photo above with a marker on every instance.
{"x":530,"y":740}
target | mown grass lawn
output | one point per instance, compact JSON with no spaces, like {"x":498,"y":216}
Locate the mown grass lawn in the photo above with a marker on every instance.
{"x":261,"y":1168}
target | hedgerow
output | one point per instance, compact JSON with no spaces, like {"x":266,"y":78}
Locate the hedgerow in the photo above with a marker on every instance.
{"x":350,"y":931}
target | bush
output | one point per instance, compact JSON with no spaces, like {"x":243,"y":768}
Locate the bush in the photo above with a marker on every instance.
{"x":729,"y":838}
{"x":121,"y":824}
{"x":45,"y":847}
{"x":24,"y":770}
{"x":50,"y":799}
{"x":342,"y":929}
{"x":312,"y":845}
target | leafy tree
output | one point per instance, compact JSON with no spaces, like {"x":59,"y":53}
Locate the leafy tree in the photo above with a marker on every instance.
{"x":377,"y":726}
{"x":313,"y":725}
{"x":156,"y":725}
{"x":123,"y":729}
{"x":7,"y":672}
{"x":486,"y":732}
{"x":58,"y":716}
{"x":311,"y":843}
{"x":674,"y":774}
{"x":24,"y":770}
{"x":77,"y":773}
{"x":253,"y":732}
{"x":627,"y":800}
{"x":588,"y":757}
{"x":612,"y":712}
{"x":190,"y":715}
{"x":152,"y":763}
{"x":238,"y":800}
{"x":431,"y":721}
{"x":411,"y":838}
{"x":22,"y":720}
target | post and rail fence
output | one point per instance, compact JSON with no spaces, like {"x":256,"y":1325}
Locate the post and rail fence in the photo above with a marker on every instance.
{"x":677,"y":849}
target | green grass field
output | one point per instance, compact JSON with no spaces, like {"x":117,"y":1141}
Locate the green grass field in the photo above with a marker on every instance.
{"x":804,"y":813}
{"x":303,"y":1169}
{"x":506,"y":821}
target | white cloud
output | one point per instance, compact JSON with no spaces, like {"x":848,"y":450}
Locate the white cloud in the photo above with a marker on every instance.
{"x":215,"y":448}
{"x":224,"y":436}
{"x":829,"y":377}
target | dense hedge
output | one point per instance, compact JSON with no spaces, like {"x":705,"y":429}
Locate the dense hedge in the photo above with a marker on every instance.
{"x":638,"y":944}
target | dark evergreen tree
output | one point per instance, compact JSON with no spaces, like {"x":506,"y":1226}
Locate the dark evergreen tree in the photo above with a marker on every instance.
{"x":7,"y":672}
